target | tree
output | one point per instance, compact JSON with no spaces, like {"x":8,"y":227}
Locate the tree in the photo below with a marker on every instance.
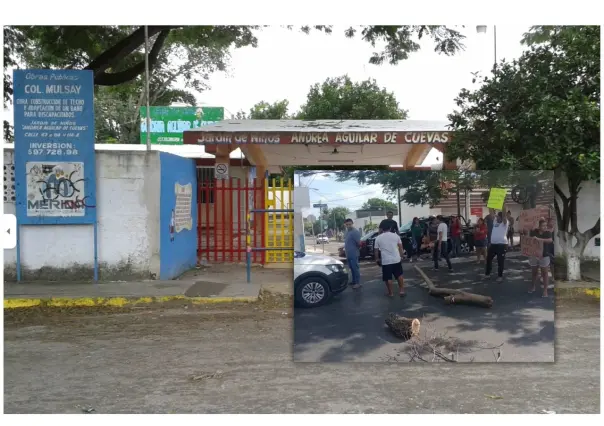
{"x":373,"y":203}
{"x":370,"y":226}
{"x":419,"y":187}
{"x":115,"y":54}
{"x":342,"y":99}
{"x":73,"y":41}
{"x":334,"y":218}
{"x":266,"y":111}
{"x":541,"y":112}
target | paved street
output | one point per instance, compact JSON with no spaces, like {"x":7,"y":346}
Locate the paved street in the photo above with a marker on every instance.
{"x":351,"y":326}
{"x":238,"y":359}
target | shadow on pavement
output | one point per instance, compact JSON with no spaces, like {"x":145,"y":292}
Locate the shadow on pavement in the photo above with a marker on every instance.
{"x":351,"y":327}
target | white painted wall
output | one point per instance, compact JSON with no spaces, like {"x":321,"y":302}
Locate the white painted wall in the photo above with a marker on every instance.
{"x":128,"y":196}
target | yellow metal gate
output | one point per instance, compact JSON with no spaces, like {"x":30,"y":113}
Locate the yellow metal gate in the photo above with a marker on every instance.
{"x":278,"y":226}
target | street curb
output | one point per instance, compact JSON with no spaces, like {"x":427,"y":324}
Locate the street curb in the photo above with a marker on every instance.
{"x":117,"y":302}
{"x":593,"y":292}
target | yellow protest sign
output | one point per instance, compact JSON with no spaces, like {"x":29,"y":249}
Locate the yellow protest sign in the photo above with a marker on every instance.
{"x":496,"y":198}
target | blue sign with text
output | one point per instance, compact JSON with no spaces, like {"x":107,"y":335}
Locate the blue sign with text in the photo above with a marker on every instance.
{"x":55,"y":168}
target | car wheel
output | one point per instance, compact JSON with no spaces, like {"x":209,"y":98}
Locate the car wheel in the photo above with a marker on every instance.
{"x":465,"y":247}
{"x":311,"y":292}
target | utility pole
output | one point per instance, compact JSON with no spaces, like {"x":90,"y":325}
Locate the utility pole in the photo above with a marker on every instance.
{"x":400,"y":212}
{"x":495,"y":44}
{"x":147,"y":88}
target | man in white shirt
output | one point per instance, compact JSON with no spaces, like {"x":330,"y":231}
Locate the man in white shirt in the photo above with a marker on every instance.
{"x":499,"y":243}
{"x":388,"y":250}
{"x":441,"y":245}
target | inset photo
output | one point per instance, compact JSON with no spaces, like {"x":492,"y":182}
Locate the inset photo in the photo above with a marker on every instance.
{"x":424,"y":266}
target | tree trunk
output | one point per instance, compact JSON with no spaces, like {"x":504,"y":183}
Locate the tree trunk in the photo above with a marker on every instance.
{"x":573,"y":267}
{"x":402,"y":327}
{"x":573,"y":253}
{"x":464,"y":298}
{"x":443,"y":292}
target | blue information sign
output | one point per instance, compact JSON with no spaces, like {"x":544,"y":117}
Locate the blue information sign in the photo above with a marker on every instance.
{"x":55,"y":169}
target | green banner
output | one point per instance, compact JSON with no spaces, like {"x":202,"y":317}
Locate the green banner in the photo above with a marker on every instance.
{"x":168,"y":123}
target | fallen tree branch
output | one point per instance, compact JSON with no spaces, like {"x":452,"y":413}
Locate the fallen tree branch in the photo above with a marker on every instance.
{"x":471,"y":299}
{"x":433,"y":346}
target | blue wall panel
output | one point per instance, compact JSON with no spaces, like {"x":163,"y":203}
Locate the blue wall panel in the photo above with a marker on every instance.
{"x":178,"y":216}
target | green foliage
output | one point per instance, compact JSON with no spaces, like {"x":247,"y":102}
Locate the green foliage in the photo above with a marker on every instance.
{"x":342,"y":99}
{"x":266,"y":111}
{"x":338,"y":213}
{"x":370,"y":226}
{"x":386,"y":205}
{"x":539,"y":34}
{"x":540,"y":112}
{"x":400,"y":40}
{"x":116,"y":56}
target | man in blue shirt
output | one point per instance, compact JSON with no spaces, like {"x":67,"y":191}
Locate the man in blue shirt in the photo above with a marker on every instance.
{"x":352,"y":243}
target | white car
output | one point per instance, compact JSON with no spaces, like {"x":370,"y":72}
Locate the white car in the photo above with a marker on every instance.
{"x":317,"y":278}
{"x":322,"y":240}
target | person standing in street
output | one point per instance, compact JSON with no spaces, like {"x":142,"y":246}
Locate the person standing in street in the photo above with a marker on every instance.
{"x":455,"y":236}
{"x":489,"y":219}
{"x":441,"y":245}
{"x":417,"y":234}
{"x":388,"y":252}
{"x":541,"y":263}
{"x":498,"y":244}
{"x":389,"y":224}
{"x":480,"y":240}
{"x":510,"y":234}
{"x":352,"y":244}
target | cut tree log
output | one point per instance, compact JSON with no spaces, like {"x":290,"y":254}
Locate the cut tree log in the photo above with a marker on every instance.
{"x":443,"y":292}
{"x":402,"y":327}
{"x":463,"y":298}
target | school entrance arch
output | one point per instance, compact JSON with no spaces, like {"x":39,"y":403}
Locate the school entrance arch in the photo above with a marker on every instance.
{"x":269,"y":145}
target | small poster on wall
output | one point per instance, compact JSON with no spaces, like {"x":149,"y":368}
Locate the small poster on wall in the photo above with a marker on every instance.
{"x":182,"y":217}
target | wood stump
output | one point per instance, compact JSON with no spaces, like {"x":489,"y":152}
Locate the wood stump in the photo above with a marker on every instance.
{"x":463,"y":298}
{"x":402,"y":327}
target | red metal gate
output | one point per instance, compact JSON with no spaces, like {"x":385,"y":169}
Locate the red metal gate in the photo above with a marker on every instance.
{"x":222,"y":207}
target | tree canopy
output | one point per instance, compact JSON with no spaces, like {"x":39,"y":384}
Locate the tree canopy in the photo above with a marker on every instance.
{"x":540,"y":112}
{"x":116,"y":56}
{"x":373,"y":203}
{"x":342,"y":99}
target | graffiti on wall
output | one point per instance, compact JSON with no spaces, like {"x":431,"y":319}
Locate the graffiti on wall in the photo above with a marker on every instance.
{"x":56,"y":189}
{"x":181,"y":215}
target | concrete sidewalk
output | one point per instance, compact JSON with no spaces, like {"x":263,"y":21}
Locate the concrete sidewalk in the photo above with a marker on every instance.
{"x":212,"y":284}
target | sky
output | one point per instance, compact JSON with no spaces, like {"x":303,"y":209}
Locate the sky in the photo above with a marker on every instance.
{"x":324,"y":189}
{"x":287,"y":63}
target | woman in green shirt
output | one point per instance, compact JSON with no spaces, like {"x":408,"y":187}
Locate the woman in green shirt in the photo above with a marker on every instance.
{"x":417,"y":234}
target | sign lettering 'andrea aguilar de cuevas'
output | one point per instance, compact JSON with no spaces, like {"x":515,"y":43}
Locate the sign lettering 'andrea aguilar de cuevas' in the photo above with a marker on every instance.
{"x":319,"y":138}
